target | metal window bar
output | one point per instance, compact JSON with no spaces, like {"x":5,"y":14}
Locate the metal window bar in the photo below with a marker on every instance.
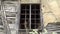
{"x":26,"y":22}
{"x":30,"y":16}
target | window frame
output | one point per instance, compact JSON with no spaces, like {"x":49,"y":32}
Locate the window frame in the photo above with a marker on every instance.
{"x":30,"y":13}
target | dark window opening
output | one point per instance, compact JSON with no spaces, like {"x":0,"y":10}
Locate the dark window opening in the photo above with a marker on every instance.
{"x":25,"y":16}
{"x":33,"y":26}
{"x":22,"y":26}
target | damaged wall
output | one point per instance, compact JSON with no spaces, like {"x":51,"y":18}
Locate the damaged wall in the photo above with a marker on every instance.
{"x":51,"y":11}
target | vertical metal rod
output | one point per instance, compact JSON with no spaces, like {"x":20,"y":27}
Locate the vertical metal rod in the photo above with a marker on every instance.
{"x":30,"y":17}
{"x":18,"y":16}
{"x":26,"y":22}
{"x":41,"y":15}
{"x":35,"y":17}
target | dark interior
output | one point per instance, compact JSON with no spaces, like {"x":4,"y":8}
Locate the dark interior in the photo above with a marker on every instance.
{"x":35,"y":16}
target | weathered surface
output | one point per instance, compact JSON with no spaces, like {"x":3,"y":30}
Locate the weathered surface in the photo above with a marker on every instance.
{"x":51,"y":11}
{"x":30,"y":1}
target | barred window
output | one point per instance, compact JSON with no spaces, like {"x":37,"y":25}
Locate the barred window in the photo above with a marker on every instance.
{"x":30,"y":16}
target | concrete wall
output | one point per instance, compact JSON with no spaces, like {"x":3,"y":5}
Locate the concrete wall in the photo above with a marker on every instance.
{"x":51,"y":11}
{"x":30,"y":1}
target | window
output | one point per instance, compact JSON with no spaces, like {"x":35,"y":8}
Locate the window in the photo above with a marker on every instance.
{"x":30,"y":16}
